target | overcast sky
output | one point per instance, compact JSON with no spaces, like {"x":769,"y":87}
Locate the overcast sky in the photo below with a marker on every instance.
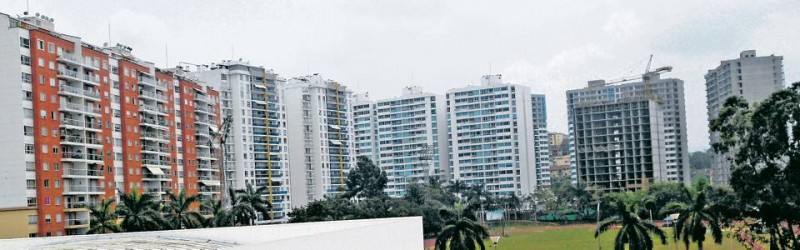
{"x":381,"y":46}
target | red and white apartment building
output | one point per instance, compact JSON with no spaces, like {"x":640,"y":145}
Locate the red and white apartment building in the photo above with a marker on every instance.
{"x":82,"y":123}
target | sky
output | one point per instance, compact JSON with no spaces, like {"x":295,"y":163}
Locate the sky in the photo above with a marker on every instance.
{"x":381,"y":46}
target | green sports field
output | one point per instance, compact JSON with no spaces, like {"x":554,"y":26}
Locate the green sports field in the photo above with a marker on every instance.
{"x":578,"y":237}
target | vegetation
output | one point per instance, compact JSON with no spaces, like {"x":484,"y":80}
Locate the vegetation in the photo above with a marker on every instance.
{"x":633,"y":231}
{"x":139,"y":211}
{"x":695,"y":218}
{"x":460,"y":232}
{"x":103,"y":219}
{"x":763,"y":142}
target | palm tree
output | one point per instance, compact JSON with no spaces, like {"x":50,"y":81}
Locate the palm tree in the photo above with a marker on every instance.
{"x":460,"y":230}
{"x":250,"y":203}
{"x":458,"y":187}
{"x":220,"y":217}
{"x":694,"y":219}
{"x":139,"y":212}
{"x":178,"y":212}
{"x":103,"y":218}
{"x":634,"y":231}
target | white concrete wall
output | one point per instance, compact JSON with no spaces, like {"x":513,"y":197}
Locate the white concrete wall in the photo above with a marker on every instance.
{"x":12,"y":140}
{"x":389,"y":234}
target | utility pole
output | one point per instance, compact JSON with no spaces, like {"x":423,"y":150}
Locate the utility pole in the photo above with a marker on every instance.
{"x":598,"y":224}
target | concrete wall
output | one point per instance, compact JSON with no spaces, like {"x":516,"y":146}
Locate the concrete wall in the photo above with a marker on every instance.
{"x":14,"y":223}
{"x":392,"y":233}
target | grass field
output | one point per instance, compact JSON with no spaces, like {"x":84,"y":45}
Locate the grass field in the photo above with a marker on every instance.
{"x":579,"y":237}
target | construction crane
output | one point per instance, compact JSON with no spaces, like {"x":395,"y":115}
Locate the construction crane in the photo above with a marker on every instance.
{"x":646,"y":77}
{"x":218,"y":138}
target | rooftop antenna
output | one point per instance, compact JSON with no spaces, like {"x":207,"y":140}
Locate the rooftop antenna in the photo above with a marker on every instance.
{"x":27,"y":7}
{"x":109,"y":31}
{"x":166,"y":53}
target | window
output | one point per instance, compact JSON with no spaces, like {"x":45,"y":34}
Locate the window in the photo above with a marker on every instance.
{"x":47,"y":217}
{"x":28,"y":113}
{"x":31,"y":184}
{"x":29,"y":148}
{"x":24,"y":42}
{"x":41,"y":62}
{"x":44,"y":131}
{"x":32,"y":219}
{"x":26,"y":78}
{"x":51,"y":48}
{"x":46,"y":184}
{"x":40,"y":44}
{"x":58,"y":218}
{"x":28,"y":130}
{"x":45,"y":166}
{"x":25,"y":60}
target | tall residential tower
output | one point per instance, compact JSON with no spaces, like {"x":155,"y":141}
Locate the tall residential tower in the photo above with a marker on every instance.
{"x":752,"y":77}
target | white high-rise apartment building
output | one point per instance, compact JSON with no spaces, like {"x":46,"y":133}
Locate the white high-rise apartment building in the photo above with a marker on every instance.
{"x":364,"y":127}
{"x":256,"y":146}
{"x":322,"y":145}
{"x":541,"y":140}
{"x":406,"y":131}
{"x":668,"y":96}
{"x":752,"y":77}
{"x":491,"y":136}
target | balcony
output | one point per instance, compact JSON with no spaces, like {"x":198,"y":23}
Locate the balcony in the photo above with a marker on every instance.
{"x":152,"y":82}
{"x":155,"y":162}
{"x":155,"y":136}
{"x":153,"y":109}
{"x":77,"y":223}
{"x":91,"y":79}
{"x":157,"y":122}
{"x":153,"y":96}
{"x":82,"y":172}
{"x":84,"y":189}
{"x":66,"y":89}
{"x":70,"y":106}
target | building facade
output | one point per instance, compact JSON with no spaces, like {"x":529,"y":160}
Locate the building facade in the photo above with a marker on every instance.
{"x":752,"y":77}
{"x":540,"y":136}
{"x":256,"y":145}
{"x":96,"y":121}
{"x":491,"y":139}
{"x":322,"y":146}
{"x":407,"y":137}
{"x":668,"y":102}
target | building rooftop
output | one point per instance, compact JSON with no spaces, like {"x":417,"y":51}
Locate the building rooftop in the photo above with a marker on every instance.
{"x":391,"y":233}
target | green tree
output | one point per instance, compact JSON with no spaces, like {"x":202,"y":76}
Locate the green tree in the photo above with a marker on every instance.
{"x":460,"y":230}
{"x":366,"y":180}
{"x":178,"y":210}
{"x":694,"y":219}
{"x":139,"y":212}
{"x":764,"y":141}
{"x":634,"y":232}
{"x":250,"y":202}
{"x":103,"y":218}
{"x":219,"y":216}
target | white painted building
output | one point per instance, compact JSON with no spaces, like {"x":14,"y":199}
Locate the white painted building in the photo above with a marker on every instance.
{"x":752,"y":77}
{"x":322,"y":143}
{"x":541,"y":140}
{"x":491,"y":136}
{"x":256,"y":150}
{"x":402,"y":135}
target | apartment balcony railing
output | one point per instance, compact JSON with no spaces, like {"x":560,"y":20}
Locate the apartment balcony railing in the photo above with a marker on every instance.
{"x":73,"y":155}
{"x":74,"y":205}
{"x":155,"y":162}
{"x":80,"y":107}
{"x":156,"y":136}
{"x":156,"y":149}
{"x":83,"y":172}
{"x":78,"y":91}
{"x":162,"y":123}
{"x":80,"y":76}
{"x":77,"y":222}
{"x":152,"y":108}
{"x":153,"y":95}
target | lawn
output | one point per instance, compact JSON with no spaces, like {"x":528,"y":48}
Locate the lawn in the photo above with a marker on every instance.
{"x":576,"y":237}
